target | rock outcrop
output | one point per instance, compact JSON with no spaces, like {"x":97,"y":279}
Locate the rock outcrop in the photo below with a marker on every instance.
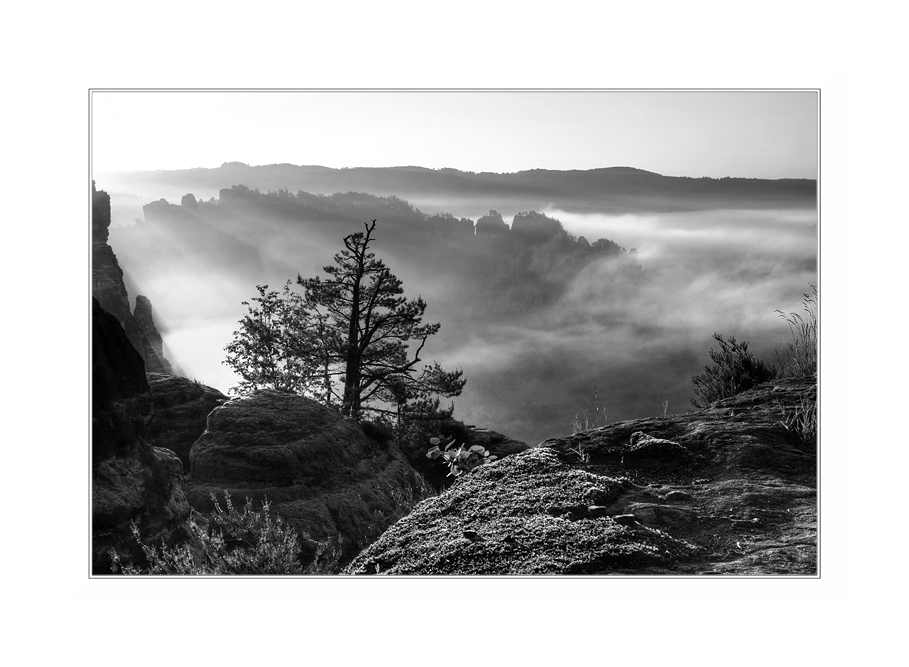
{"x":132,"y":481}
{"x":535,"y":226}
{"x":730,"y":489}
{"x":526,"y":514}
{"x":181,"y":410}
{"x":110,"y":291}
{"x":492,"y":224}
{"x":320,"y":472}
{"x":447,"y":226}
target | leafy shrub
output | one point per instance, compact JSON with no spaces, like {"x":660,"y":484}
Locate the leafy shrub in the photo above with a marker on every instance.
{"x":416,"y":429}
{"x":234,"y":542}
{"x":460,"y":460}
{"x":734,"y":370}
{"x":799,"y":360}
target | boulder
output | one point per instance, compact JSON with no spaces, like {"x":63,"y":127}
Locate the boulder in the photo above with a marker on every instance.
{"x":643,"y":447}
{"x":319,"y":471}
{"x":132,"y":481}
{"x":181,"y":411}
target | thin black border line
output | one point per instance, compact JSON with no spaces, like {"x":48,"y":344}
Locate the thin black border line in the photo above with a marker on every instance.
{"x":497,"y":577}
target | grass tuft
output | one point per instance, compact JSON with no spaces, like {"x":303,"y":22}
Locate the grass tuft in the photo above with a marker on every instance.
{"x":802,"y":420}
{"x":799,"y":358}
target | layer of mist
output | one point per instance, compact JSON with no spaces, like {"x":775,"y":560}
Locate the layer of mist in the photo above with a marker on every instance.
{"x":535,"y":322}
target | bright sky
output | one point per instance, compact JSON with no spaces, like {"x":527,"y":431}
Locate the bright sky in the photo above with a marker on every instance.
{"x":757,"y":134}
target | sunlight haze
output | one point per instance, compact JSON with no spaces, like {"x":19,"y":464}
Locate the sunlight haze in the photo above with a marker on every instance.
{"x":750,"y":134}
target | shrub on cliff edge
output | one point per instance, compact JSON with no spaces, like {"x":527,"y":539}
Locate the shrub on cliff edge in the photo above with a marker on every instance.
{"x":734,"y":370}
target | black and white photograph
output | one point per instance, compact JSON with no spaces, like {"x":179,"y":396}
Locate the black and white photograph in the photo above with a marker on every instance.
{"x":480,"y":332}
{"x":455,"y":332}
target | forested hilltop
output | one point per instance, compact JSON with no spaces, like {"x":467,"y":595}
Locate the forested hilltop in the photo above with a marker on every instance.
{"x":496,"y":267}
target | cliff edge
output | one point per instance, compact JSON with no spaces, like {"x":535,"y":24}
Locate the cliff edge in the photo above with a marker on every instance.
{"x":110,"y":291}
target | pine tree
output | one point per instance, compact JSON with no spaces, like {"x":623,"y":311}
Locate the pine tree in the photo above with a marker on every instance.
{"x":378,"y":333}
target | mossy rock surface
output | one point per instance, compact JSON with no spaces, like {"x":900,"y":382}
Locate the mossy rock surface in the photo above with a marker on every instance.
{"x":726,"y":490}
{"x":526,"y":514}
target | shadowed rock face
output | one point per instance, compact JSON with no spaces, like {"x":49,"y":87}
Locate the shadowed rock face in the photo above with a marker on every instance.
{"x":108,"y":287}
{"x":181,"y":411}
{"x":131,"y":480}
{"x":496,"y":443}
{"x":319,"y":471}
{"x":724,"y":490}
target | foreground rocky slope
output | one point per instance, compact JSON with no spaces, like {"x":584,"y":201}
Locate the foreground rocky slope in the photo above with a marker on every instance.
{"x":320,"y":472}
{"x":132,"y":481}
{"x":725,"y":490}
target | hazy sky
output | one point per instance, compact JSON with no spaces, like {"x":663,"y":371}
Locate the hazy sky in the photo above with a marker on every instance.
{"x":676,"y":133}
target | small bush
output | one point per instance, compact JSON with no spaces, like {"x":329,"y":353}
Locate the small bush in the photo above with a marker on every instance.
{"x":234,"y":542}
{"x":734,"y":370}
{"x":799,"y":359}
{"x":413,"y":434}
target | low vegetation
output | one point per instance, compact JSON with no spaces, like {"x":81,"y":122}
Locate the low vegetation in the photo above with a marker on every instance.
{"x":734,"y":370}
{"x":459,"y":459}
{"x":802,"y":420}
{"x":236,"y":541}
{"x":799,"y":358}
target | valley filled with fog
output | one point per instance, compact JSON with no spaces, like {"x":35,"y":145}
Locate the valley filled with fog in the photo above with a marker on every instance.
{"x":535,"y":320}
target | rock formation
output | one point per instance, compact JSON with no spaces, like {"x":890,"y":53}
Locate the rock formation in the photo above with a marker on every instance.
{"x":181,"y":410}
{"x":492,"y":224}
{"x":162,"y":210}
{"x":730,"y":489}
{"x":537,"y":227}
{"x":131,"y":480}
{"x":448,"y":226}
{"x":320,"y":472}
{"x":110,"y":291}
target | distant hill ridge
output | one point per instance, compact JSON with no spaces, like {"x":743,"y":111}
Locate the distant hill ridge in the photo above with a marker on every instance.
{"x":609,"y":188}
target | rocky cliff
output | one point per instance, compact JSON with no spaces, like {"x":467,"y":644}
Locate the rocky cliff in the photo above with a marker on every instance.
{"x":730,"y":489}
{"x":132,"y":481}
{"x":110,"y":291}
{"x":320,"y":472}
